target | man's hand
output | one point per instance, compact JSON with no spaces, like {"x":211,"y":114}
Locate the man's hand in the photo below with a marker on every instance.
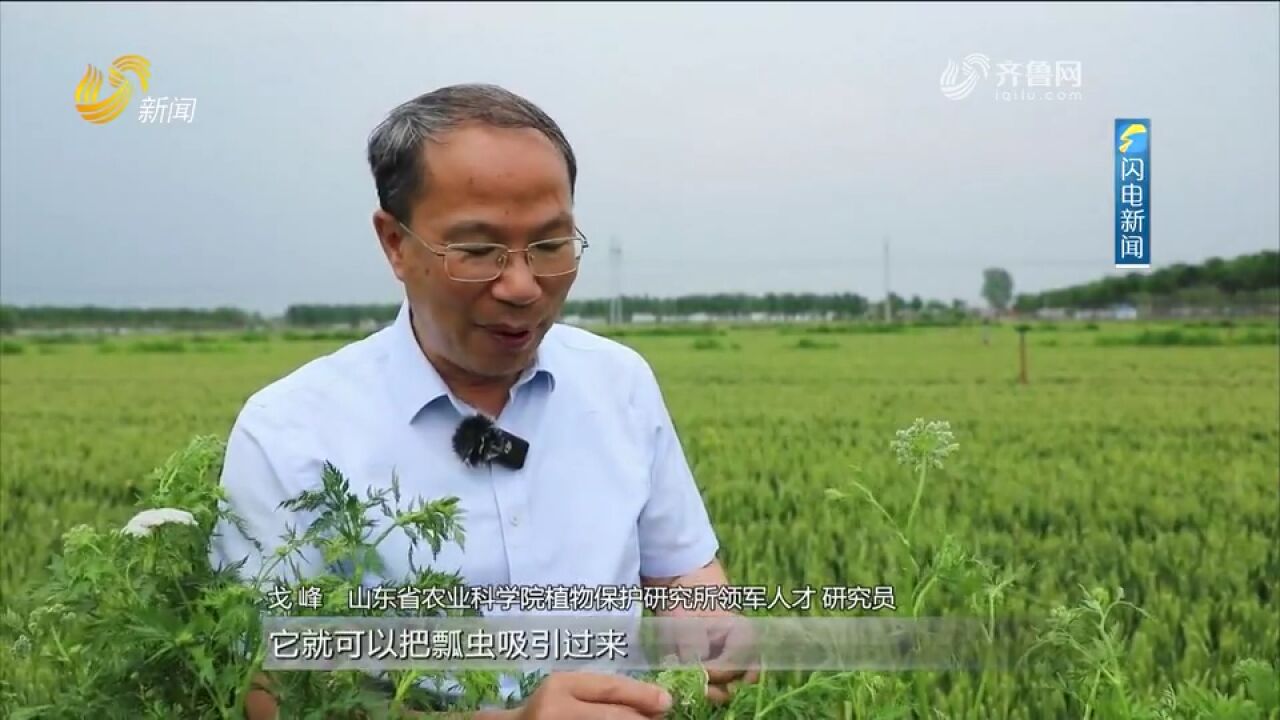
{"x":589,"y":696}
{"x":260,"y":704}
{"x":722,"y":642}
{"x":732,"y":644}
{"x":562,"y":696}
{"x":727,"y":642}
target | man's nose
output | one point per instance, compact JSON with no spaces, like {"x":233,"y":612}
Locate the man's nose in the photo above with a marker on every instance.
{"x":517,"y":284}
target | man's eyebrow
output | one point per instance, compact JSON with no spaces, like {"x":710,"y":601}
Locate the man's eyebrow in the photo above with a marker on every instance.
{"x":468,"y":229}
{"x":562,"y":220}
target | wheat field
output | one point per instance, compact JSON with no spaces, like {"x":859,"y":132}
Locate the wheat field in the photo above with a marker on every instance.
{"x":1135,"y":459}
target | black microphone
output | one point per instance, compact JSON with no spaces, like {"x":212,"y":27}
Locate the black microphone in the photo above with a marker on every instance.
{"x":477,"y":440}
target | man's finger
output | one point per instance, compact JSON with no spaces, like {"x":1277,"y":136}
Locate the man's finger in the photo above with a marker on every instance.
{"x":616,"y":712}
{"x":742,"y":642}
{"x":718,"y":694}
{"x":722,"y":676}
{"x":740,"y":646}
{"x":644,"y":698}
{"x":692,"y":643}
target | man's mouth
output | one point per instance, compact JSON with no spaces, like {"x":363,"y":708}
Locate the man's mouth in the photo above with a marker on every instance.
{"x":511,"y":337}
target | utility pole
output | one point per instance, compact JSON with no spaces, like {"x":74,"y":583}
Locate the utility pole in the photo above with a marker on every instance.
{"x":888,"y":305}
{"x":615,"y":265}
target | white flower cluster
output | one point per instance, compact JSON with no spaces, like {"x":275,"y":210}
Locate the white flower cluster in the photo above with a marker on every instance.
{"x":144,"y":522}
{"x":924,"y":443}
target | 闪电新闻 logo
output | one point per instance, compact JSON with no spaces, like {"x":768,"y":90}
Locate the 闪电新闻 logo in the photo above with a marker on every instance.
{"x":1133,"y":138}
{"x":102,"y":111}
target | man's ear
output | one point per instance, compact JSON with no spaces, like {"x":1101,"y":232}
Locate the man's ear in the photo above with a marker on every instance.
{"x":391,"y":237}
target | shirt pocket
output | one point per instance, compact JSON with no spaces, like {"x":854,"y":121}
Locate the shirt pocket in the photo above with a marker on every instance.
{"x":589,"y":508}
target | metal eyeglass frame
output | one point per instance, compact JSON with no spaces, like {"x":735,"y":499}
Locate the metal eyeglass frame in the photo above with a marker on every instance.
{"x":502,"y":262}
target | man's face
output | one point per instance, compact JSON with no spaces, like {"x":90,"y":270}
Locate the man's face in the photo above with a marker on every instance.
{"x":492,"y":185}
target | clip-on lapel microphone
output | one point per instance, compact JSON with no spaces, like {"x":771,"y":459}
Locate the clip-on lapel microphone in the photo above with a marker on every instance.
{"x":477,"y":440}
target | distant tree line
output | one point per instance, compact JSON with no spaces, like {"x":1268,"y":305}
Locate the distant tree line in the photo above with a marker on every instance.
{"x":1244,"y":280}
{"x":846,"y":305}
{"x":330,"y":315}
{"x":841,"y":305}
{"x":1248,"y":280}
{"x":74,"y":318}
{"x":725,"y":304}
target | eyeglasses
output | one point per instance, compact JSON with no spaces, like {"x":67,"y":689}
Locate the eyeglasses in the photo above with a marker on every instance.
{"x":482,"y":262}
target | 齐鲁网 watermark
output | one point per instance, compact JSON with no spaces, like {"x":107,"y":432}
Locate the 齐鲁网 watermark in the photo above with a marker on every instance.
{"x":1012,"y":80}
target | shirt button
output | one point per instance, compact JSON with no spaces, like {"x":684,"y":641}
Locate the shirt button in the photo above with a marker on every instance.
{"x":515,"y":521}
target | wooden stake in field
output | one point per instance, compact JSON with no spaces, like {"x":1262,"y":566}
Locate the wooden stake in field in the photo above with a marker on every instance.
{"x":1022,"y":353}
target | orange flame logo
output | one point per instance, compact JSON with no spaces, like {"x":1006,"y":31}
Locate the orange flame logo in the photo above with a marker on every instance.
{"x":104,"y":111}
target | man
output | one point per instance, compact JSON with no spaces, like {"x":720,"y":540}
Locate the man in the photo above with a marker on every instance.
{"x":476,"y":218}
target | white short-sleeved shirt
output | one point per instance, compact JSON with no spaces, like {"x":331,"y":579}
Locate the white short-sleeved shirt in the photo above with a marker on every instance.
{"x":605,"y":496}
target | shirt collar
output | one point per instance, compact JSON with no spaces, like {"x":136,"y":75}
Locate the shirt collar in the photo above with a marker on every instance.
{"x":414,"y":381}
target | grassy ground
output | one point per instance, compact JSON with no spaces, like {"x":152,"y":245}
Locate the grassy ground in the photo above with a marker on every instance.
{"x":1136,"y":458}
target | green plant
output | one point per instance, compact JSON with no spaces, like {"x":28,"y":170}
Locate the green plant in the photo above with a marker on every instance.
{"x":136,"y":622}
{"x":158,"y":346}
{"x":805,"y":343}
{"x":712,"y":343}
{"x":1083,"y":650}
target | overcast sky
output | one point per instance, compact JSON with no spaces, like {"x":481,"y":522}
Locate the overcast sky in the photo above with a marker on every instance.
{"x":728,"y":148}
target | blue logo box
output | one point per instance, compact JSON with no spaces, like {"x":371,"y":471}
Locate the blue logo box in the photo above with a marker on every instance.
{"x":1132,"y":148}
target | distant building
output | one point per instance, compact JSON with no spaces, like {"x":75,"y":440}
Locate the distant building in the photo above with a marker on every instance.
{"x":1051,"y":313}
{"x":1115,"y":312}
